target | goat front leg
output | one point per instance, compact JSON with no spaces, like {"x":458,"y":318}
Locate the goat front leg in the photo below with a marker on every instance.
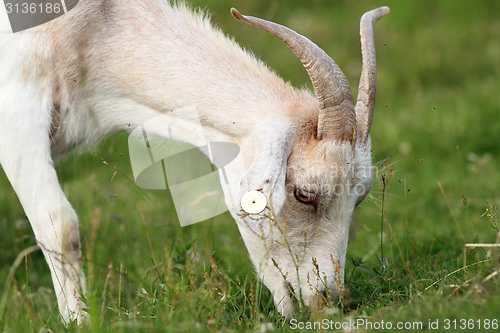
{"x":26,"y":159}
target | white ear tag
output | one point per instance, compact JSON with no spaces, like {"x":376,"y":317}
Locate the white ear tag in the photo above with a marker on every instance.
{"x":253,"y":202}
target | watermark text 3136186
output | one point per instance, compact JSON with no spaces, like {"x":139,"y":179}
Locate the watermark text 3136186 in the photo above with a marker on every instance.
{"x":27,"y":14}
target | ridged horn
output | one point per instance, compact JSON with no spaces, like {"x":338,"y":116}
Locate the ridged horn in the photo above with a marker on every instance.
{"x":337,"y":119}
{"x":367,"y":84}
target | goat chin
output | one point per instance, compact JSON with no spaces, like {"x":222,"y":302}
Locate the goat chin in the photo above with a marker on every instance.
{"x":109,"y":66}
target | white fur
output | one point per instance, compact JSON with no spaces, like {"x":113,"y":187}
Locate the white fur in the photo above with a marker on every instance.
{"x":111,"y":65}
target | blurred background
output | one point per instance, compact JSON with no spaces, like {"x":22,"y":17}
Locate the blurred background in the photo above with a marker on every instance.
{"x":435,"y":140}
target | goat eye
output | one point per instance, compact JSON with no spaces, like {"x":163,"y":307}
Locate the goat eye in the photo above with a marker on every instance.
{"x":305,"y":197}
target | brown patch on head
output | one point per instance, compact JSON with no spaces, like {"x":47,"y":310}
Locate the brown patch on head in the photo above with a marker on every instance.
{"x":307,"y":142}
{"x":317,"y":166}
{"x":307,"y":129}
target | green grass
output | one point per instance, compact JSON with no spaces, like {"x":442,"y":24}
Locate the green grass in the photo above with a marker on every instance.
{"x":436,"y":140}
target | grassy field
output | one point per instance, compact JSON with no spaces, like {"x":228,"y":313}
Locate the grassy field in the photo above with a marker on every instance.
{"x":436,"y":142}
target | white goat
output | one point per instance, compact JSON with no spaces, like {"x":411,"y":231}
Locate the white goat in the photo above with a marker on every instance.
{"x":112,"y":65}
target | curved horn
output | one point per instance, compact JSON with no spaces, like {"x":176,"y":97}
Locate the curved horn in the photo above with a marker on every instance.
{"x":337,"y":119}
{"x":367,"y":83}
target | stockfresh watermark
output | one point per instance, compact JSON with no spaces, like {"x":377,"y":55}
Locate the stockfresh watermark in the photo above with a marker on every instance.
{"x":196,"y":175}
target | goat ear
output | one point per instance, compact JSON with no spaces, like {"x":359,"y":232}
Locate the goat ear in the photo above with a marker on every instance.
{"x":267,"y":174}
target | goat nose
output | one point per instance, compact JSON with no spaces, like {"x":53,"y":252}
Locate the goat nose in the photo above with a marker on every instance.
{"x":326,"y":297}
{"x":321,"y":299}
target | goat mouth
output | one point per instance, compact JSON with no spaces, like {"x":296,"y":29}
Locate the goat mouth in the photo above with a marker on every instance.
{"x":322,"y":299}
{"x":319,"y":301}
{"x":326,"y":298}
